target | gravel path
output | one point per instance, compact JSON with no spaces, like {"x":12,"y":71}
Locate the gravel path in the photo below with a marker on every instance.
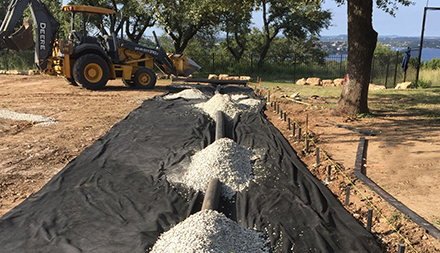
{"x":210,"y":231}
{"x":26,"y":117}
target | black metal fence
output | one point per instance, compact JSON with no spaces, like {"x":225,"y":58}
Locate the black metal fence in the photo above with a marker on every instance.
{"x":385,"y":70}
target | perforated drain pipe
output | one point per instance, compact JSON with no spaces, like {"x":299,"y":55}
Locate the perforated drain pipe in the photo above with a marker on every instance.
{"x":212,"y":195}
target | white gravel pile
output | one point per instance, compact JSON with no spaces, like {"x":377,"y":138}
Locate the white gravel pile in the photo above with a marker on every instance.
{"x":25,"y":116}
{"x":223,"y":159}
{"x":210,"y":231}
{"x":230,"y":105}
{"x":187,"y":94}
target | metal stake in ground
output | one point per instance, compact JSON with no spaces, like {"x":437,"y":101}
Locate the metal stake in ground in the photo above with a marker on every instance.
{"x":317,"y":156}
{"x":288,"y":124}
{"x":278,"y":108}
{"x":307,"y":145}
{"x":268,"y":96}
{"x":293,"y":129}
{"x":299,"y":133}
{"x":285,"y":115}
{"x":401,"y":248}
{"x":369,"y":219}
{"x":281,"y":114}
{"x":347,"y":195}
{"x":329,"y":173}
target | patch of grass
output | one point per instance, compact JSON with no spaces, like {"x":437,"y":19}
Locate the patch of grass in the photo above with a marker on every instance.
{"x":289,"y":88}
{"x":437,"y":222}
{"x":395,"y":217}
{"x":424,"y":84}
{"x":365,"y":115}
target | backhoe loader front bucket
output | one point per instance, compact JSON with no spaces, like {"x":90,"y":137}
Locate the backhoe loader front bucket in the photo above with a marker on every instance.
{"x":183,"y":65}
{"x":21,"y":39}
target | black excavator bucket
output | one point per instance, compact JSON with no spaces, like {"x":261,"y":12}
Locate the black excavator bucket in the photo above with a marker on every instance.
{"x":21,"y":39}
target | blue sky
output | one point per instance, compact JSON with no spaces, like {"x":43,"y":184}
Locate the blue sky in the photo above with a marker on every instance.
{"x":408,"y":20}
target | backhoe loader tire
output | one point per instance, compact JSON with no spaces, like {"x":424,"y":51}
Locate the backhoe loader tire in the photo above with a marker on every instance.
{"x":70,"y":81}
{"x":128,"y":83}
{"x":91,"y":72}
{"x":144,"y":78}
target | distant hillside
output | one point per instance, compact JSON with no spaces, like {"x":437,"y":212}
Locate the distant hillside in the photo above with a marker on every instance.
{"x":338,"y":44}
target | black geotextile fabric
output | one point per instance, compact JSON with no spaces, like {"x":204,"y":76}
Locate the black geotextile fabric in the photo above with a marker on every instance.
{"x":114,"y":196}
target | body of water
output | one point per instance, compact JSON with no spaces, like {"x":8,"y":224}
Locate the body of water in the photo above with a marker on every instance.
{"x":427,"y":54}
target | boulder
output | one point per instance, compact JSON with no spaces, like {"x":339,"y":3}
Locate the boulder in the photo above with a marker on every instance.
{"x":213,"y":76}
{"x":15,"y":72}
{"x":327,"y":82}
{"x":234,"y":78}
{"x":338,"y":82}
{"x":373,"y":86}
{"x":33,"y":72}
{"x":314,"y":81}
{"x":301,"y":81}
{"x":223,"y":77}
{"x":404,"y":85}
{"x":162,"y":76}
{"x":246,"y":78}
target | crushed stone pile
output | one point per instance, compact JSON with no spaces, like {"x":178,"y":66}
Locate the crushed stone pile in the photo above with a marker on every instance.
{"x":26,"y":117}
{"x":230,"y":105}
{"x":187,"y":94}
{"x":210,"y":231}
{"x":223,"y":159}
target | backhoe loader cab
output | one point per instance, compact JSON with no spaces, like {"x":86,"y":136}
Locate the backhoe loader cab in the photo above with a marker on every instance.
{"x":93,"y":54}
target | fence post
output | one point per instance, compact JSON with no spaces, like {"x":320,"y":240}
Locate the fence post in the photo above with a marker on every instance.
{"x":395,"y":68}
{"x":294,"y":70}
{"x":213,"y":62}
{"x":386,"y":75}
{"x":252,"y":66}
{"x":340,"y":67}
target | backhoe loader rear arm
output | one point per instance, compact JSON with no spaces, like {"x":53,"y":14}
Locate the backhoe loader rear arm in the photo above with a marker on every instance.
{"x":46,"y":27}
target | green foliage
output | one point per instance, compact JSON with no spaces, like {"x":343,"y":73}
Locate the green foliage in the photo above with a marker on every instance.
{"x":424,"y":84}
{"x":389,"y":6}
{"x":365,"y":115}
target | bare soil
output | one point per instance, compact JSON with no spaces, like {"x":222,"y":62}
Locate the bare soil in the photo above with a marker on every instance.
{"x":403,"y":158}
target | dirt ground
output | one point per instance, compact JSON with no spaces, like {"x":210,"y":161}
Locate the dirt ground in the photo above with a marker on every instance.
{"x":403,"y":158}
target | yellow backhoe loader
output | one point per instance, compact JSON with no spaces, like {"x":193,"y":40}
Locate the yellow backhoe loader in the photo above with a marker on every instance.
{"x":84,"y":59}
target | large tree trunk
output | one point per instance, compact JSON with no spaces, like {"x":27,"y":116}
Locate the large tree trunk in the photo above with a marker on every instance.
{"x":362,"y":39}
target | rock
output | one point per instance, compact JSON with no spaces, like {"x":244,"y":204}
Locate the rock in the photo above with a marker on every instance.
{"x":314,"y":81}
{"x":2,"y":72}
{"x":246,"y":78}
{"x":33,"y":72}
{"x":301,"y":81}
{"x":327,"y":82}
{"x":234,"y":78}
{"x":162,"y":76}
{"x":213,"y":76}
{"x":404,"y":85}
{"x":376,"y":87}
{"x":14,"y":72}
{"x":223,"y":77}
{"x":338,"y":82}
